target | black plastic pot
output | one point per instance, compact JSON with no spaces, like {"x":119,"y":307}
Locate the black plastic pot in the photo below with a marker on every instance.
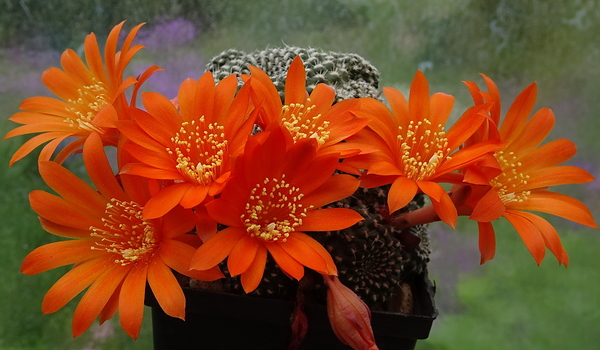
{"x":227,"y":321}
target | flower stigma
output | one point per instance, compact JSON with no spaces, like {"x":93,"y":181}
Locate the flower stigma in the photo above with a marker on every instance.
{"x":92,"y":98}
{"x":422,"y":149}
{"x":273,"y":210}
{"x":297,"y":120}
{"x":199,"y":150}
{"x":125,"y":233}
{"x":507,"y":183}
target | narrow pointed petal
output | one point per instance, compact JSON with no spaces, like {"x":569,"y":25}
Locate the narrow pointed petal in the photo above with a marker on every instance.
{"x":166,"y":289}
{"x":402,"y":191}
{"x":287,"y":263}
{"x":99,"y":169}
{"x":62,"y":212}
{"x":165,"y":200}
{"x":557,"y":204}
{"x":434,"y":190}
{"x":418,"y":100}
{"x":488,"y":208}
{"x":216,"y":248}
{"x":335,"y":188}
{"x":194,"y":196}
{"x":487,"y":241}
{"x":446,"y":210}
{"x":131,"y":305}
{"x":56,"y":254}
{"x":96,"y":297}
{"x":242,"y":255}
{"x":329,"y":219}
{"x":557,"y":175}
{"x":178,"y":256}
{"x":309,"y":253}
{"x":551,"y":238}
{"x":518,"y":113}
{"x":295,"y":82}
{"x":72,"y":283}
{"x":530,"y":235}
{"x":253,"y":275}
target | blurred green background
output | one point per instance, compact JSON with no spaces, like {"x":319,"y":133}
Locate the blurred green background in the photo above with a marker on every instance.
{"x":509,"y":303}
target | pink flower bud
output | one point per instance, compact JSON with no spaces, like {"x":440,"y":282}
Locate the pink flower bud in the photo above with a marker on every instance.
{"x":349,"y":316}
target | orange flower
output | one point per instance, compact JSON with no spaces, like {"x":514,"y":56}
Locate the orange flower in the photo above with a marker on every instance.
{"x":413,"y":151}
{"x":191,"y":146}
{"x":307,"y":116}
{"x":276,"y":190}
{"x":349,"y":316}
{"x":91,"y":98}
{"x":115,"y":250}
{"x":527,"y":170}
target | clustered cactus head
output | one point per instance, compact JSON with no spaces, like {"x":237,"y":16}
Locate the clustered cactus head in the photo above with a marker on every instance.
{"x":349,"y":74}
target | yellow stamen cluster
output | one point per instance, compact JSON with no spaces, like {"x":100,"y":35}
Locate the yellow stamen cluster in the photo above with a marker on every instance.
{"x":199,"y":150}
{"x":423,"y":148}
{"x":508,"y":182}
{"x":273,"y":211}
{"x":296,"y":118}
{"x":92,"y":98}
{"x":125,"y":233}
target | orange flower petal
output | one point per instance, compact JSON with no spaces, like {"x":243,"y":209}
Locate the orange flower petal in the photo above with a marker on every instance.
{"x":216,"y":248}
{"x":531,"y":236}
{"x":488,"y":208}
{"x":329,"y":219}
{"x":518,"y":113}
{"x":242,"y":255}
{"x":70,"y":187}
{"x":165,"y":200}
{"x":166,"y":289}
{"x":335,"y":188}
{"x":554,"y":176}
{"x":131,"y":305}
{"x":418,"y":100}
{"x":56,"y":254}
{"x":61,"y":211}
{"x":295,"y":83}
{"x":556,"y":204}
{"x":178,"y":256}
{"x":99,"y":169}
{"x":434,"y":190}
{"x":402,"y":191}
{"x":446,"y":210}
{"x":549,"y":154}
{"x":487,"y":242}
{"x":194,"y":196}
{"x":310,"y":253}
{"x":287,"y":263}
{"x":253,"y":275}
{"x":96,"y":297}
{"x":72,"y":283}
{"x":63,"y":231}
{"x":551,"y":238}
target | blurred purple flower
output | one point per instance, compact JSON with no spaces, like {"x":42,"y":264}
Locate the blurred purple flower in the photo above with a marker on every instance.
{"x":166,"y":34}
{"x":452,"y":255}
{"x":24,"y":77}
{"x":177,"y":68}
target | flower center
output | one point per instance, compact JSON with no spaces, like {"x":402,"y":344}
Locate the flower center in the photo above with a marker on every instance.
{"x":199,"y":150}
{"x":92,"y":98}
{"x":296,"y":118}
{"x":423,"y":148}
{"x":508,"y":182}
{"x":273,"y":210}
{"x":125,"y":233}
